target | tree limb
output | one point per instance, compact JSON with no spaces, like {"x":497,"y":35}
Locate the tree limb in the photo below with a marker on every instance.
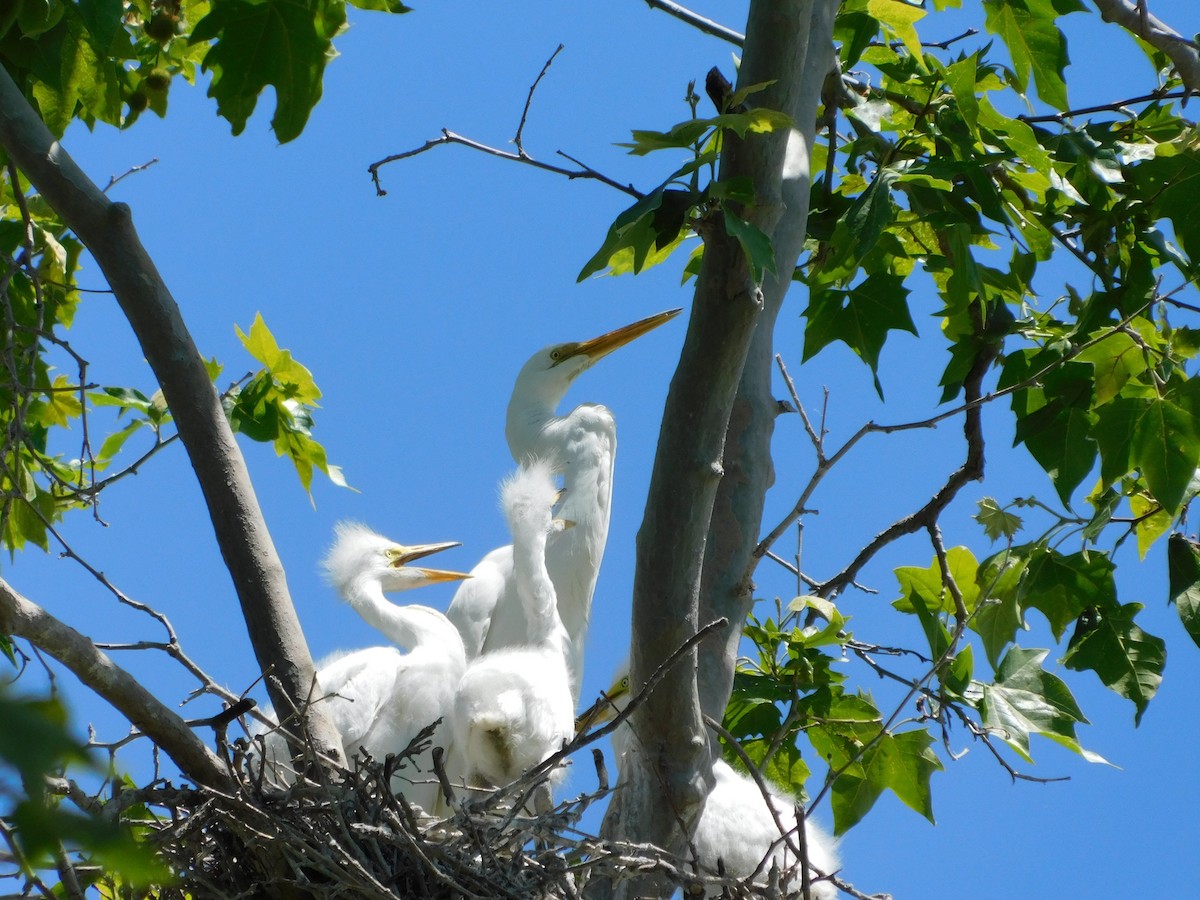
{"x":788,"y":42}
{"x":23,"y":618}
{"x":708,"y":26}
{"x":106,"y":229}
{"x":794,"y":58}
{"x":1134,"y":17}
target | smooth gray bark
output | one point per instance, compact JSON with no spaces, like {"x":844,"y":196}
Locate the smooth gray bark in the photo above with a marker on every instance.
{"x":797,"y":61}
{"x":106,"y":229}
{"x":663,"y":783}
{"x":23,"y":618}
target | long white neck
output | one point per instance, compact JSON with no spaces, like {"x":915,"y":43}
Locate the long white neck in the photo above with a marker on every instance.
{"x":535,"y":589}
{"x":412,"y":627}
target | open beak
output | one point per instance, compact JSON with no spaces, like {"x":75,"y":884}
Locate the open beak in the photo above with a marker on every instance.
{"x":603,"y":710}
{"x":404,"y":555}
{"x":434,"y":576}
{"x":599,"y":347}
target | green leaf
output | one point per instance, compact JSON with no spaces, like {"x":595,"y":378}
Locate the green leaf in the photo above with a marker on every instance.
{"x":1183,"y":569}
{"x":1166,"y":443}
{"x":1128,"y":660}
{"x":1168,"y":185}
{"x":902,"y":763}
{"x":1060,"y":587}
{"x":1116,"y":358}
{"x":1152,"y":521}
{"x":282,"y":43}
{"x":1058,"y":432}
{"x":925,"y":585}
{"x":686,"y":134}
{"x":860,"y":318}
{"x":899,"y":18}
{"x":996,"y":522}
{"x":998,"y":613}
{"x":755,"y":244}
{"x":1025,"y":700}
{"x":391,"y":6}
{"x":114,"y":442}
{"x":1035,"y":44}
{"x":294,"y":381}
{"x":632,"y":229}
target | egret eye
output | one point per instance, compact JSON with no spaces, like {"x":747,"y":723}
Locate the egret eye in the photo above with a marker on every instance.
{"x":556,"y":355}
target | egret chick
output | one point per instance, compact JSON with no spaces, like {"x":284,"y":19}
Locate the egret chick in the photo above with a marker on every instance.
{"x":735,"y":825}
{"x":488,"y":610}
{"x":380,"y":698}
{"x":514,"y":706}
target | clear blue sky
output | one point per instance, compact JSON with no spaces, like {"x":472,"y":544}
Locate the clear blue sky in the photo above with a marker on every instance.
{"x":414,"y":312}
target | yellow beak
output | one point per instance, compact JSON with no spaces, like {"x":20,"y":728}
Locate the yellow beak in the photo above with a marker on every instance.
{"x":603,"y":710}
{"x":405,"y":554}
{"x":599,"y":347}
{"x":434,"y":576}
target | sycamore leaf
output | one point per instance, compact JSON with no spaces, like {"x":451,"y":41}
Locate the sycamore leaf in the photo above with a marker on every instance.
{"x":1035,"y":44}
{"x":1060,"y":587}
{"x":1183,"y":568}
{"x":902,"y":763}
{"x":1128,"y":660}
{"x":1058,"y":432}
{"x":860,"y":317}
{"x":754,"y":121}
{"x":1168,"y":185}
{"x":923,"y":587}
{"x":282,"y":43}
{"x":899,"y":17}
{"x":634,"y":230}
{"x":997,"y":523}
{"x":1152,"y":521}
{"x":295,"y":381}
{"x":755,"y":244}
{"x":1025,"y":699}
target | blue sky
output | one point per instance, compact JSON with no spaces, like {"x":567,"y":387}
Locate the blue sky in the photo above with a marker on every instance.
{"x":414,"y":312}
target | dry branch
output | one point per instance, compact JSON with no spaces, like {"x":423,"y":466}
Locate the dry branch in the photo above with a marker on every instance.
{"x":106,"y":229}
{"x":23,"y":618}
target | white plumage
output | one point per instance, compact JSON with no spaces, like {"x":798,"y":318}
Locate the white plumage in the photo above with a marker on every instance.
{"x":735,"y":824}
{"x":514,"y":706}
{"x":380,"y":698}
{"x":487,"y":610}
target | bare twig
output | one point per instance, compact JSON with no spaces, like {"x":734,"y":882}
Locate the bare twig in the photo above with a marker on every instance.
{"x":133,"y":170}
{"x":708,"y":26}
{"x":449,"y":137}
{"x":529,"y":99}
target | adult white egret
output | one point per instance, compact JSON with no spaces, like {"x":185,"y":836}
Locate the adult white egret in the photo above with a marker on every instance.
{"x":736,"y":826}
{"x":487,"y":609}
{"x":514,"y":706}
{"x":381,"y":697}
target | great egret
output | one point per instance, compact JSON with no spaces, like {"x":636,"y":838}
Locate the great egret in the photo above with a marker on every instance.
{"x":735,"y":825}
{"x":487,"y":609}
{"x":381,"y":697}
{"x":514,"y":706}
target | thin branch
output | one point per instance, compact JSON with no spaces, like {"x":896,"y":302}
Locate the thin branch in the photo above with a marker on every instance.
{"x":449,"y":137}
{"x":932,"y":45}
{"x":23,"y":618}
{"x":133,"y":170}
{"x":1115,"y":106}
{"x":708,"y":26}
{"x":1135,"y":18}
{"x":529,"y":100}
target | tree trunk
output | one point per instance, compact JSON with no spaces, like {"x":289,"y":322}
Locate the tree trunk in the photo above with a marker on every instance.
{"x":797,"y":60}
{"x":106,"y":229}
{"x":790,"y":42}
